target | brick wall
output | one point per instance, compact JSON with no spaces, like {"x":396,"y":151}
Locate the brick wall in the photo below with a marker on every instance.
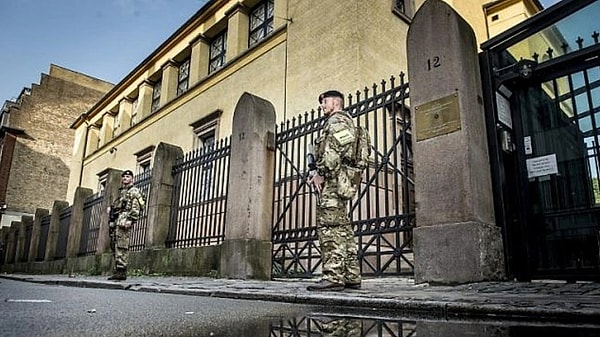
{"x":39,"y":173}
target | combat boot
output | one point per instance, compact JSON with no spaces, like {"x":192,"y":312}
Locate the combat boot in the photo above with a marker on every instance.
{"x":119,"y":275}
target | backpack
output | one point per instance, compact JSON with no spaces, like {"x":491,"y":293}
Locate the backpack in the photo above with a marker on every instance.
{"x":362,"y":148}
{"x":349,"y":179}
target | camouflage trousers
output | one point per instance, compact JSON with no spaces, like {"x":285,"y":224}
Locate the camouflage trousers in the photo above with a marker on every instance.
{"x":342,"y":327}
{"x":119,"y":243}
{"x":339,"y":253}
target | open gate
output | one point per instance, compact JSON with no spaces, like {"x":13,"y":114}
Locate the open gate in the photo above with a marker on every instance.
{"x":382,"y":214}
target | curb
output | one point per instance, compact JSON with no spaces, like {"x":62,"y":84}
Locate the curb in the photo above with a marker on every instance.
{"x":430,"y":308}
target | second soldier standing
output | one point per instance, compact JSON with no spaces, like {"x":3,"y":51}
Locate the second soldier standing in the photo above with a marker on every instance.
{"x":124,"y":213}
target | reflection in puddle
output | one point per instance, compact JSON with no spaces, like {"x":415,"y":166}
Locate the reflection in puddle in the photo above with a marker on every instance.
{"x":345,"y":326}
{"x":329,"y":326}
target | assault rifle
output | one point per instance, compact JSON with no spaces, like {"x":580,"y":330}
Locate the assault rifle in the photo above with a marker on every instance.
{"x":312,"y":171}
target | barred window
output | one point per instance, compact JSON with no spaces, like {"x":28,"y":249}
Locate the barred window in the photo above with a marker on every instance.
{"x":404,"y":8}
{"x":261,"y":22}
{"x":183,"y":77}
{"x":218,"y":49}
{"x":156,"y":96}
{"x":400,"y":6}
{"x":144,"y":159}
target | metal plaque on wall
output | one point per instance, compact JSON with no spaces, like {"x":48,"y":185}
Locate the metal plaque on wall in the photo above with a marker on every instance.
{"x":438,"y":117}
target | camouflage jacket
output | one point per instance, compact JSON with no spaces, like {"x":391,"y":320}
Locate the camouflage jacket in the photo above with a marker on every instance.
{"x":333,"y":151}
{"x":334,"y":144}
{"x":129,"y":203}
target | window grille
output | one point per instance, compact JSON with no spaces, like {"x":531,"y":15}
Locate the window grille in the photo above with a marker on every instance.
{"x":218,"y":49}
{"x":261,"y":22}
{"x":183,"y":77}
{"x":156,"y":96}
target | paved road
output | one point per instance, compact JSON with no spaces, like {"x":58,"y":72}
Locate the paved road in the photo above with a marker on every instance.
{"x":544,"y":300}
{"x":29,"y":309}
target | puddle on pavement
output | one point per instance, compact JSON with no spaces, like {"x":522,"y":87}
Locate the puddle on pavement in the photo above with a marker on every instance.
{"x":331,"y":325}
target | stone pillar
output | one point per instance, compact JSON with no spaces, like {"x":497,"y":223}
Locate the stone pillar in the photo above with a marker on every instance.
{"x":161,"y":191}
{"x":456,"y":240}
{"x":125,"y":110}
{"x":168,"y":89}
{"x":79,"y":145}
{"x":22,"y":249}
{"x":199,"y":59}
{"x":57,"y":207}
{"x":35,"y":233}
{"x":107,"y":129}
{"x":113,"y":182}
{"x":76,"y":224}
{"x":93,"y":138}
{"x":20,"y":236}
{"x":246,"y":251}
{"x":12,"y":242}
{"x":238,"y":31}
{"x":144,"y":100}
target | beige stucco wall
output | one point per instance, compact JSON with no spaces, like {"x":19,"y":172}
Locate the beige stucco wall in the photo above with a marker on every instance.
{"x":172,"y":124}
{"x":316,"y":46}
{"x":345,"y":45}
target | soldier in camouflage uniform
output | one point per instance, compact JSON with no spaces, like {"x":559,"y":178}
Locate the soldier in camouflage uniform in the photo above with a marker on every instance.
{"x":336,"y":237}
{"x":124,"y":214}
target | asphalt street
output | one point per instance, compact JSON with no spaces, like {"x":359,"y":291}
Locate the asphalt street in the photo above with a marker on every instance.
{"x":550,"y":301}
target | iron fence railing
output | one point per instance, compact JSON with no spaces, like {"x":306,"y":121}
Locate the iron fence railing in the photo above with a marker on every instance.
{"x":137,"y":235}
{"x":44,"y":230}
{"x":63,"y":233}
{"x":92,"y":215}
{"x":383,"y":211}
{"x":199,"y":196}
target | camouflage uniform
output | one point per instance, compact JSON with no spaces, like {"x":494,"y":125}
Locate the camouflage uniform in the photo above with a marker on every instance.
{"x":128,"y":204}
{"x":336,"y":237}
{"x":342,"y":327}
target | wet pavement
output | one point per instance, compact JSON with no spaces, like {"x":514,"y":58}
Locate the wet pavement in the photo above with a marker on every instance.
{"x":540,"y":300}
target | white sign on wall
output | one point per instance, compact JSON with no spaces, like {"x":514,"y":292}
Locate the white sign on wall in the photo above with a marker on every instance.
{"x":542,"y":166}
{"x":504,"y":114}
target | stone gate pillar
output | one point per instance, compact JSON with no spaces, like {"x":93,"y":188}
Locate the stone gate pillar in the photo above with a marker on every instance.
{"x":161,"y":194}
{"x":456,"y":240}
{"x":246,"y":251}
{"x":111,"y":193}
{"x":77,"y":217}
{"x":35,"y":233}
{"x":52,"y":241}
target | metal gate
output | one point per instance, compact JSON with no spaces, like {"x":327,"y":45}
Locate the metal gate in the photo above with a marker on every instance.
{"x":382,"y":214}
{"x":542,"y":82}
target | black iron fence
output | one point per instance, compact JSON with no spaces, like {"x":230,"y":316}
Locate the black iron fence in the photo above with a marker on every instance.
{"x":199,"y":196}
{"x":137,"y":235}
{"x":63,"y":233}
{"x":92,"y":215}
{"x":27,"y":242}
{"x":383,"y":212}
{"x":44,"y":230}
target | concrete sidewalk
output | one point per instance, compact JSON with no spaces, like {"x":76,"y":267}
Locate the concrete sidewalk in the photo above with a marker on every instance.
{"x":540,"y":301}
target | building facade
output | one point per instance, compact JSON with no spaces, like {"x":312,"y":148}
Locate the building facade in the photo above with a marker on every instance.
{"x":286,"y":52}
{"x":36,"y":142}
